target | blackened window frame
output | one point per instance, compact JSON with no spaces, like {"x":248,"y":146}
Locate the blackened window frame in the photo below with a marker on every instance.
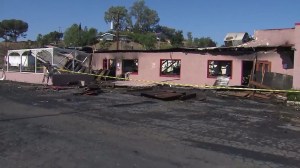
{"x":134,"y":72}
{"x":173,"y":62}
{"x":220,"y":70}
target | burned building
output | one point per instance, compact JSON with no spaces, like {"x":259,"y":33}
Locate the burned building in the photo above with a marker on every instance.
{"x":272,"y":58}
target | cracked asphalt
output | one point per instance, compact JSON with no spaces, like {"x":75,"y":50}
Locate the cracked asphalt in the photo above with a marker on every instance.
{"x":119,"y":128}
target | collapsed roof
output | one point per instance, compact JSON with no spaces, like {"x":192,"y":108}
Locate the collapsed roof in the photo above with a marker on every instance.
{"x":272,"y":38}
{"x":57,"y":56}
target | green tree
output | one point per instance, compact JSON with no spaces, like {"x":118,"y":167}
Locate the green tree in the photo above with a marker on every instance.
{"x":177,"y":39}
{"x":88,"y":36}
{"x":204,"y":42}
{"x":74,"y":36}
{"x":148,"y":40}
{"x":145,"y":18}
{"x":119,"y":16}
{"x":11,"y":30}
{"x":50,"y":38}
{"x":54,"y":37}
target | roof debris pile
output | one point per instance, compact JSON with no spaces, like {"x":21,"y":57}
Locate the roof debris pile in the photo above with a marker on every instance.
{"x":72,"y":60}
{"x":272,"y":80}
{"x":278,"y":97}
{"x":71,"y":64}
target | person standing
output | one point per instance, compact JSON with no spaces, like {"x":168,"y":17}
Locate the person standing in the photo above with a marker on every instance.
{"x":48,"y":72}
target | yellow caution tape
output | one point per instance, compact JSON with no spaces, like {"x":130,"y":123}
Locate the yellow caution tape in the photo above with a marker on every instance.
{"x":188,"y":85}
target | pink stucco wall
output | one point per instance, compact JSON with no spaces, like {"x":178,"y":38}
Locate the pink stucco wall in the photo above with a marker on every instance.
{"x":275,"y":37}
{"x":194,"y":66}
{"x":296,"y":79}
{"x":35,"y":78}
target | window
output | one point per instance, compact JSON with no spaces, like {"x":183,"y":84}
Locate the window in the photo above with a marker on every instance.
{"x":170,"y":67}
{"x":14,"y":62}
{"x":219,"y":68}
{"x":130,"y":66}
{"x":263,"y":66}
{"x":23,"y":63}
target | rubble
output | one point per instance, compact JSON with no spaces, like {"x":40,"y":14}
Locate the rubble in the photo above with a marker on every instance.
{"x":169,"y":95}
{"x":91,"y":90}
{"x":278,"y":97}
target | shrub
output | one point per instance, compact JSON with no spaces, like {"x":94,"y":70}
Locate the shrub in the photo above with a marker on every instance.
{"x":293,"y":96}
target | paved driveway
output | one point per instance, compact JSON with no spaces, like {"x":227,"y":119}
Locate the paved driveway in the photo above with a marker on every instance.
{"x":46,"y":128}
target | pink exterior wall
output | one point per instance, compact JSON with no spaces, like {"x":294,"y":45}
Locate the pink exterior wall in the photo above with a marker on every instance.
{"x":194,"y":67}
{"x":35,"y":78}
{"x":296,"y":79}
{"x":275,"y":37}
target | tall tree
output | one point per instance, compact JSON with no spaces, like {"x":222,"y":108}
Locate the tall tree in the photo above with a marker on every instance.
{"x":11,"y":30}
{"x":72,"y":36}
{"x":119,"y":16}
{"x":145,"y":18}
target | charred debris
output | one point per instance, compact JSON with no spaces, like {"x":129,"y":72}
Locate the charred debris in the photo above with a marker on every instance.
{"x":75,"y":71}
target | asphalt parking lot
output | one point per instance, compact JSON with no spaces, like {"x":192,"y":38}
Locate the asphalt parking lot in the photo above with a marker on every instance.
{"x":119,"y":128}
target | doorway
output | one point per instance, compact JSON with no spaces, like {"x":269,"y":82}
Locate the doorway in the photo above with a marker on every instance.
{"x":110,"y":64}
{"x":246,"y":71}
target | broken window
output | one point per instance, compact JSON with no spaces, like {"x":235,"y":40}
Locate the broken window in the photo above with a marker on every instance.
{"x":131,"y":65}
{"x":170,"y":67}
{"x":219,"y":68}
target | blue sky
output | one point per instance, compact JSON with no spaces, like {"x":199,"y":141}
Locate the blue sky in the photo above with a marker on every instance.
{"x":204,"y":18}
